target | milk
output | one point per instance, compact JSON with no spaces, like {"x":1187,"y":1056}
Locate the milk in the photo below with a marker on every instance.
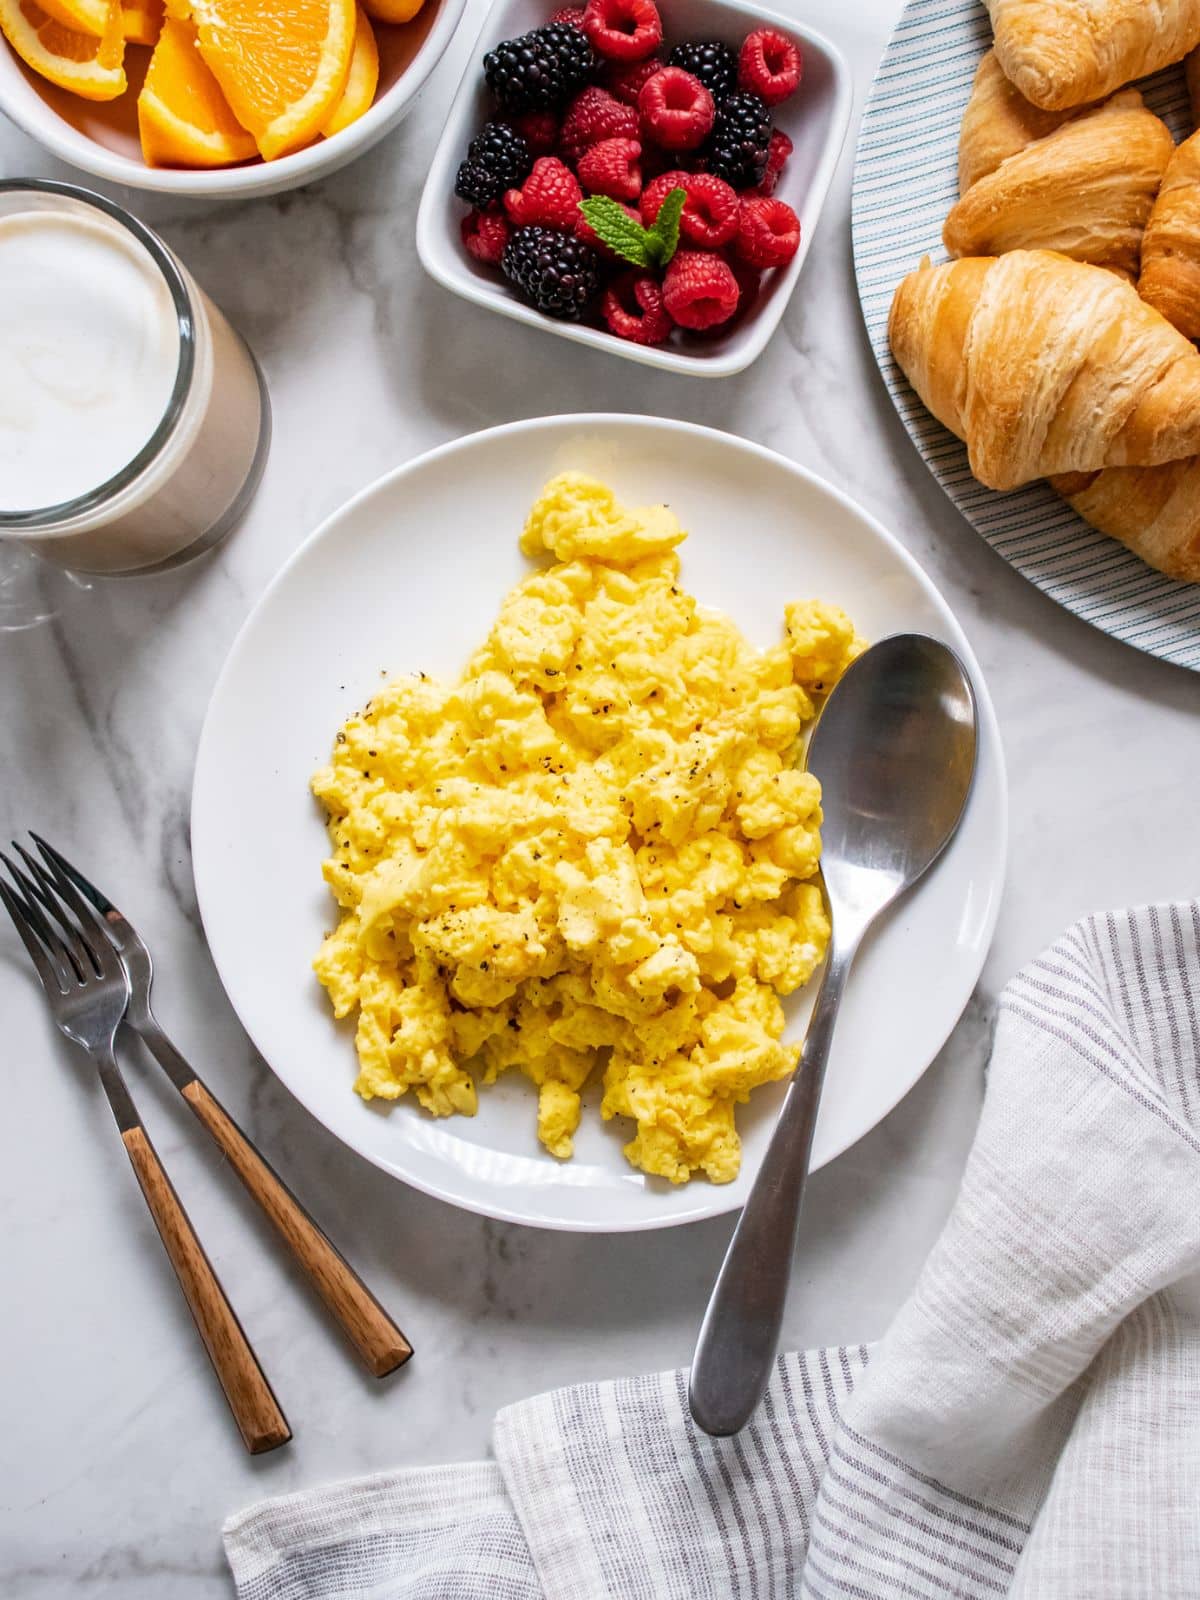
{"x":89,"y":352}
{"x":133,"y":421}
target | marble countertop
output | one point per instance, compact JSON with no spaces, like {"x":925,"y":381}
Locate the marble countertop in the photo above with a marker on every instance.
{"x":119,"y":1460}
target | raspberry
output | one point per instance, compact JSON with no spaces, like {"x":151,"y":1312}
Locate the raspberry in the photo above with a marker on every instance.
{"x":569,"y":17}
{"x":624,"y":79}
{"x":699,"y":290}
{"x":778,"y":151}
{"x":611,"y":168}
{"x":657,"y":191}
{"x":539,"y":129}
{"x":592,"y":116}
{"x":768,"y":232}
{"x":676,"y":109}
{"x":485,"y":233}
{"x":585,"y":231}
{"x":710,"y":212}
{"x":770,"y":65}
{"x":550,"y":196}
{"x":749,"y":281}
{"x":623,"y":30}
{"x":633,"y":308}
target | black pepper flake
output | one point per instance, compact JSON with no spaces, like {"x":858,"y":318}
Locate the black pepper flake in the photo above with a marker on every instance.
{"x":341,"y":738}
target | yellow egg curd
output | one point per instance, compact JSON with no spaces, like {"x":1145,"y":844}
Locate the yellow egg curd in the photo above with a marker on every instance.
{"x":595,"y":854}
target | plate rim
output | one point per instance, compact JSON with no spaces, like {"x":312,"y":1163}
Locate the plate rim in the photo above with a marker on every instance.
{"x":989,"y":734}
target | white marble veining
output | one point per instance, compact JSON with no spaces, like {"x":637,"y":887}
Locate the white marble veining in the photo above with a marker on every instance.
{"x":118,"y":1460}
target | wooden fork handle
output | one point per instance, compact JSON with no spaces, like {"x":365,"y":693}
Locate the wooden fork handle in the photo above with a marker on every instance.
{"x":256,"y":1411}
{"x":364,"y":1321}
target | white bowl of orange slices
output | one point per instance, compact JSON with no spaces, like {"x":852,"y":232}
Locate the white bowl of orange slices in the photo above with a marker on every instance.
{"x":215,"y":98}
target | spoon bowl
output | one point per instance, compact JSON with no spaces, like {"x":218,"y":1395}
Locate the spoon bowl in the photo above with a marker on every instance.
{"x":895,"y":750}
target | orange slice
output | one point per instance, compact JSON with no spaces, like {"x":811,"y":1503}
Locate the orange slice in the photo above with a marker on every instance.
{"x":392,"y":10}
{"x":361,"y":82}
{"x":282,"y":67}
{"x":82,"y":16}
{"x":80,"y":62}
{"x":183,"y":118}
{"x":141,"y":20}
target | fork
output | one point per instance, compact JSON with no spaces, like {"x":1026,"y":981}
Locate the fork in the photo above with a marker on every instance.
{"x":88,"y":991}
{"x":364,"y":1321}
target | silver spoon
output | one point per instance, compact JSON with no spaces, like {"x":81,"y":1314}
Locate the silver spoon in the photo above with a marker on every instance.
{"x":894,"y":749}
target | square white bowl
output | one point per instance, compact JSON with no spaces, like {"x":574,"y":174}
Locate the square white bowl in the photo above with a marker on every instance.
{"x":815,"y":119}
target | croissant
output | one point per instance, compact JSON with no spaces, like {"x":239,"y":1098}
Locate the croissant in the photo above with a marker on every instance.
{"x":997,"y":123}
{"x":1085,"y":189}
{"x":1045,"y":365}
{"x":1153,"y":510}
{"x":1170,"y":279}
{"x":1062,"y":53}
{"x":1192,"y":73}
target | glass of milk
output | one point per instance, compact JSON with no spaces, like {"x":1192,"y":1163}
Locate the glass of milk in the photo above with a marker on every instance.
{"x":134,"y":421}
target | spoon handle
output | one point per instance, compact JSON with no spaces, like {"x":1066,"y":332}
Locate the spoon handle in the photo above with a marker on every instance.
{"x":740,"y":1333}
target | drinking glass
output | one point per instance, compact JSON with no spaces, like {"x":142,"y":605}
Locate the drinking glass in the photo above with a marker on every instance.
{"x":188,"y":484}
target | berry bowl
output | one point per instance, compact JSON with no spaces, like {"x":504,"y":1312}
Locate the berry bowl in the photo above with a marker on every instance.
{"x":527,"y":263}
{"x":102,"y":137}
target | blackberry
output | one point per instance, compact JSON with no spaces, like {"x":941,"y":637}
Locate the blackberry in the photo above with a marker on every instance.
{"x":540,"y":70}
{"x":555,"y":272}
{"x":740,"y":139}
{"x":714,"y":63}
{"x":498,"y":159}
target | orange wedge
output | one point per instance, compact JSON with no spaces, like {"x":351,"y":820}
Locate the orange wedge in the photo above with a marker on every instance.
{"x":80,"y":62}
{"x":81,"y":16}
{"x":141,"y":20}
{"x":282,"y":67}
{"x":183,"y":118}
{"x":392,"y":10}
{"x":361,"y":82}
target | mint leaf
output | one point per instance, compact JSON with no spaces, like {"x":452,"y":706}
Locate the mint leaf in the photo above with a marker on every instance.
{"x":644,"y":247}
{"x":619,"y":232}
{"x":665,"y":232}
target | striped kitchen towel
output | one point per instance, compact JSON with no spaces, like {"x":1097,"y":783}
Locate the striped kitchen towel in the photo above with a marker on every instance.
{"x":1028,"y":1427}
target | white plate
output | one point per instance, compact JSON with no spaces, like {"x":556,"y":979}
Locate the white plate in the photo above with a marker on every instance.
{"x":905,"y":181}
{"x":408,"y":576}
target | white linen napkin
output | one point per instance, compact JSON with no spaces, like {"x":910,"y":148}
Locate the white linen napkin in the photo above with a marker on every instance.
{"x":1028,"y":1427}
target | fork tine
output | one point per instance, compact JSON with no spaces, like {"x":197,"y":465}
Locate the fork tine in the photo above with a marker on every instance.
{"x":63,"y":930}
{"x":55,"y":858}
{"x":52,"y":979}
{"x":90,"y":919}
{"x":30,"y":898}
{"x":85,"y":929}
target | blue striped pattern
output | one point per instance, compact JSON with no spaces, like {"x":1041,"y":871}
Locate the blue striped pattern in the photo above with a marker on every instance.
{"x":905,"y":182}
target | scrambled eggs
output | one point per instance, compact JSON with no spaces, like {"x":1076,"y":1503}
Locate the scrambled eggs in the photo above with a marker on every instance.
{"x":594,"y":854}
